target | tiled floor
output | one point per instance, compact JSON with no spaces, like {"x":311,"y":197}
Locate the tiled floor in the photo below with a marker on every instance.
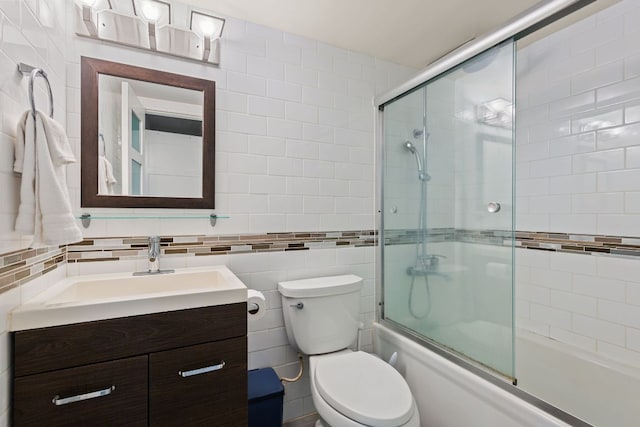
{"x":306,"y":421}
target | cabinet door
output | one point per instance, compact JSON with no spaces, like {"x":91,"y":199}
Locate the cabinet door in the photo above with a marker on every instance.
{"x":203,"y":384}
{"x":102,"y":394}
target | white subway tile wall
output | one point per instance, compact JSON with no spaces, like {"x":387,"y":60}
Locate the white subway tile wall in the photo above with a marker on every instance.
{"x":267,"y":339}
{"x":294,"y":152}
{"x":32,"y":32}
{"x":294,"y":122}
{"x":577,"y":171}
{"x":578,"y":105}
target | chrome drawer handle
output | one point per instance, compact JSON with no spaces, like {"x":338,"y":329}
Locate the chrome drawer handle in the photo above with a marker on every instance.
{"x":199,"y":371}
{"x":77,"y":398}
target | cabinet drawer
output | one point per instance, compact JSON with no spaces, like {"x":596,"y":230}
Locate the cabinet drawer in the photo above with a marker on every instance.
{"x":103,"y":394}
{"x":47,"y":349}
{"x":204,"y":384}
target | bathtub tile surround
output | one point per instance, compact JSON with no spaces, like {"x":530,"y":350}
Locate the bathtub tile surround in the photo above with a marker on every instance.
{"x":589,"y":302}
{"x":587,"y":244}
{"x":577,"y":185}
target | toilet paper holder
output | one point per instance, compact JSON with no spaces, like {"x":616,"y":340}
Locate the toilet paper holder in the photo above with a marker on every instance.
{"x":256,"y":305}
{"x":253,"y":308}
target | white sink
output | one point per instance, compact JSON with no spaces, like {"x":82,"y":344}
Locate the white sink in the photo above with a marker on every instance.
{"x":104,"y":296}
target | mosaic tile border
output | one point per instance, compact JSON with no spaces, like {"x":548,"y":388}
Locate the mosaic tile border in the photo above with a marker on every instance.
{"x":579,"y":243}
{"x":113,"y":249}
{"x":19,"y":267}
{"x":587,"y":244}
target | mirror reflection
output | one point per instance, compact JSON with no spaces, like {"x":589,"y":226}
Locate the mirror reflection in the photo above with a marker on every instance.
{"x":150,"y":139}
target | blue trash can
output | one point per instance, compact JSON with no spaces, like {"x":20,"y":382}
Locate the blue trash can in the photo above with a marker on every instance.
{"x":266,"y":394}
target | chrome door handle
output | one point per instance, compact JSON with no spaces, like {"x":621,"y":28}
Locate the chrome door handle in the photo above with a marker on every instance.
{"x":79,"y":397}
{"x":199,"y":371}
{"x":493,"y":207}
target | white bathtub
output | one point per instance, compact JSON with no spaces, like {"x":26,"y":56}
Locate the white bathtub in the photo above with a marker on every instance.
{"x":597,"y":390}
{"x":450,"y":396}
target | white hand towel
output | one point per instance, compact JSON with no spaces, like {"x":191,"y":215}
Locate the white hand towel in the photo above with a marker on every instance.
{"x":106,"y":180}
{"x":42,"y":153}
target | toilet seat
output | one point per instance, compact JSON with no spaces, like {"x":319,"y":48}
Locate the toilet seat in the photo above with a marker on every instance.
{"x":365,"y":389}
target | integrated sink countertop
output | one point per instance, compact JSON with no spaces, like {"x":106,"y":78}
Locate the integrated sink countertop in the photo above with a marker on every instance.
{"x":105,"y":296}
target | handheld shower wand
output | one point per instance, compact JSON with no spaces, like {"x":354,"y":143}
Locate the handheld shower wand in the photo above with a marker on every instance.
{"x":422,"y":176}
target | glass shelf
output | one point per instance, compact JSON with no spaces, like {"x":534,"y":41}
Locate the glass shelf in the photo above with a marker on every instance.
{"x":87,"y":218}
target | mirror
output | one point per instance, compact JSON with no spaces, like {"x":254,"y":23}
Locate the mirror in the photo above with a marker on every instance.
{"x":147,"y":138}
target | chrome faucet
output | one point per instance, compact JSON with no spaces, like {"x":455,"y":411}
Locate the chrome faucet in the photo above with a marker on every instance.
{"x":154,"y":254}
{"x":428,"y":266}
{"x":432,"y":260}
{"x":154,"y":258}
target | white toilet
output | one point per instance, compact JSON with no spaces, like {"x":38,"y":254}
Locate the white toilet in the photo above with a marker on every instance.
{"x":349,"y":388}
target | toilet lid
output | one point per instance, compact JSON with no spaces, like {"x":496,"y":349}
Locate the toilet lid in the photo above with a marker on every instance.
{"x":365,"y":389}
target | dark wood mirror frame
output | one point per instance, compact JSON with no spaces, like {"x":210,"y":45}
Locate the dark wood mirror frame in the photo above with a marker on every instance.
{"x":91,"y":68}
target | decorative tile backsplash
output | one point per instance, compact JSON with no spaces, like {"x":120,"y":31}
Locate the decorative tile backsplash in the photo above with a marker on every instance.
{"x":587,"y":244}
{"x":112,"y":249}
{"x":24,"y":265}
{"x":579,"y":243}
{"x":21,"y":266}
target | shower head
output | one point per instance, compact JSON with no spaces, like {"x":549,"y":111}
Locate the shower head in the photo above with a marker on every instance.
{"x":409,"y":146}
{"x":412,"y":149}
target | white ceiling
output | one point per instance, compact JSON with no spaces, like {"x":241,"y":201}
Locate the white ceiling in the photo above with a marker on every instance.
{"x":408,"y":32}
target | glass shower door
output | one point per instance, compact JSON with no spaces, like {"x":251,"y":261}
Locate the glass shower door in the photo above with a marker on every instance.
{"x":448,"y":209}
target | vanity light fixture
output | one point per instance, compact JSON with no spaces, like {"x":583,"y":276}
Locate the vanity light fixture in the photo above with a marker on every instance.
{"x":156,"y":13}
{"x":87,"y":17}
{"x":209,"y":27}
{"x":148,"y":25}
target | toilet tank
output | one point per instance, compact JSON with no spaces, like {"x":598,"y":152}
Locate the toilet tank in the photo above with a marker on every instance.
{"x":321,"y":314}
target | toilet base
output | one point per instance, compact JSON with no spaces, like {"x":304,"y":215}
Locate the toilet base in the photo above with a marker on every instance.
{"x":326,"y":412}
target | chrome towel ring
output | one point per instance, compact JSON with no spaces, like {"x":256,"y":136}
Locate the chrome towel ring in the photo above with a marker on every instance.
{"x":33,"y":74}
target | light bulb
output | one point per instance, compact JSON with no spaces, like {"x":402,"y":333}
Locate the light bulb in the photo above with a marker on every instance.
{"x":207,"y":27}
{"x":151,"y":11}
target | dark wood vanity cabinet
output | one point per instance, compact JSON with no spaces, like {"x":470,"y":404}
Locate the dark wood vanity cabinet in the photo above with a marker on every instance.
{"x":178,"y":368}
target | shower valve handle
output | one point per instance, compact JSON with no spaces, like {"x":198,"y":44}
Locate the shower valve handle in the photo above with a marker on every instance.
{"x":493,"y":207}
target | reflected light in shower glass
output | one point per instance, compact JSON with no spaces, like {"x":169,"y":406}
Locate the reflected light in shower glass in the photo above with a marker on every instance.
{"x":497,"y":112}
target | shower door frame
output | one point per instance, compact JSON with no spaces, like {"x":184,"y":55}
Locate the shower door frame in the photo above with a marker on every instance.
{"x":522,"y":25}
